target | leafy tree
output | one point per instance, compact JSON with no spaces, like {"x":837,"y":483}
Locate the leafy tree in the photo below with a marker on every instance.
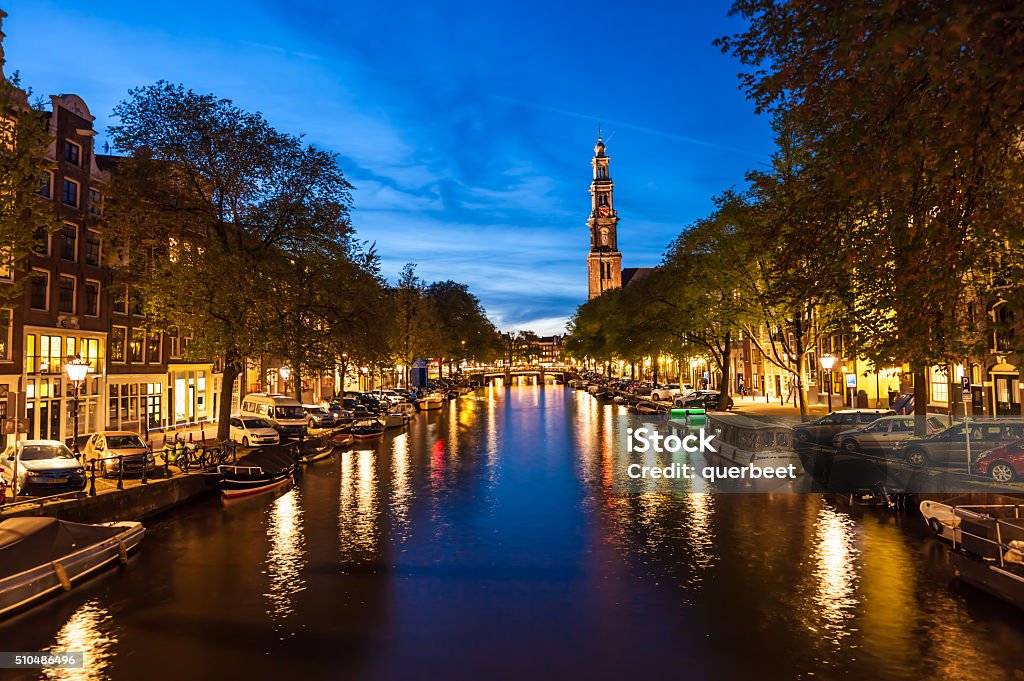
{"x":466,"y":332}
{"x":417,"y":327}
{"x":25,"y":218}
{"x":911,"y":115}
{"x":207,"y":198}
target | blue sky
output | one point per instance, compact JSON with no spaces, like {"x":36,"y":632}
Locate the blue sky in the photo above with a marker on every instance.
{"x":466,"y":127}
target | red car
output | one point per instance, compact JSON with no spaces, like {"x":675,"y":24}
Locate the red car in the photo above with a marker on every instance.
{"x":1004,"y":464}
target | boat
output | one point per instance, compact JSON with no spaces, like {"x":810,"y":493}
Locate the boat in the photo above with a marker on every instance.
{"x":41,"y":556}
{"x":988,"y":550}
{"x":753,"y":442}
{"x":432,"y":401}
{"x":314,"y":449}
{"x":406,"y":408}
{"x":261,"y":470}
{"x":367,"y":429}
{"x":342,"y":439}
{"x":395,"y":419}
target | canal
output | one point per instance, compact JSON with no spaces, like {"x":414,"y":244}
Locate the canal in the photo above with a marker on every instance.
{"x":488,"y":541}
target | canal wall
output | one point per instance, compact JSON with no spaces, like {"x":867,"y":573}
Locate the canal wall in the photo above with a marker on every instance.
{"x":137,"y":502}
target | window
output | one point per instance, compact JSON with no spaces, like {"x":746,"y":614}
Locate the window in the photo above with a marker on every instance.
{"x":6,"y":264}
{"x":39,"y":290}
{"x":174,"y":339}
{"x":6,"y":326}
{"x":46,"y":185}
{"x":137,"y":344}
{"x":121,"y":300}
{"x":92,"y":248}
{"x":153,"y":347}
{"x":135,"y":303}
{"x":70,"y":195}
{"x":69,"y":242}
{"x":95,"y":202}
{"x":41,"y":245}
{"x":92,"y":298}
{"x":118,"y":336}
{"x":72,"y":152}
{"x":939,"y":384}
{"x":66,"y":295}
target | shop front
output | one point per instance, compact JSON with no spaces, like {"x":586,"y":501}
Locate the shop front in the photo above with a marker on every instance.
{"x":135,"y":402}
{"x":189,"y":390}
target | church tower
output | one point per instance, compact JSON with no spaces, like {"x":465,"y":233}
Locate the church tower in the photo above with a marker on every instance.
{"x":604,"y":263}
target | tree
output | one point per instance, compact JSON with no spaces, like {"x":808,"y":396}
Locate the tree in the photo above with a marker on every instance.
{"x":466,"y":332}
{"x":206,"y":198}
{"x":911,"y":116}
{"x":25,"y":218}
{"x":417,"y":328}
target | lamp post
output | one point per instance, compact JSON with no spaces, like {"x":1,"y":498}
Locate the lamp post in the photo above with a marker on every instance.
{"x":286,"y":373}
{"x":77,"y":369}
{"x":827,"y":362}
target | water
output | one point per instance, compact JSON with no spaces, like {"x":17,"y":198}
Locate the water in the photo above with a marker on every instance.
{"x":488,"y":541}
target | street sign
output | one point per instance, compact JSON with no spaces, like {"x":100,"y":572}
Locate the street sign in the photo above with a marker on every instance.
{"x":851,"y":380}
{"x":15,"y":425}
{"x":965,"y":386}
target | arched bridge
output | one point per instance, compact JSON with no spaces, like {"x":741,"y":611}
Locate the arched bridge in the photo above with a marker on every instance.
{"x":485,"y":374}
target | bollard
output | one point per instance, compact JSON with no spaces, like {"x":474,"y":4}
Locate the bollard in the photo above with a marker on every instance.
{"x":120,"y":471}
{"x":145,"y":465}
{"x":190,"y":438}
{"x":92,"y":476}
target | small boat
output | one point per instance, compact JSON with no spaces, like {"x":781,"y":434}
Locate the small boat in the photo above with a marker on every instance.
{"x":432,"y":401}
{"x":315,"y":449}
{"x":406,"y":408}
{"x":367,"y":429}
{"x":753,"y":442}
{"x":343,"y":439}
{"x":988,"y":550}
{"x":941,"y":519}
{"x":395,"y":419}
{"x":261,"y":470}
{"x":40,"y":556}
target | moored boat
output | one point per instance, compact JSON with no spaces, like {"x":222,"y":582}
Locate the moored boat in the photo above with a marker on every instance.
{"x":394,"y":419}
{"x":367,"y":429}
{"x":432,"y":401}
{"x":41,"y":556}
{"x":988,"y":550}
{"x":262,"y":470}
{"x":315,"y":449}
{"x":754,"y":442}
{"x":343,"y":439}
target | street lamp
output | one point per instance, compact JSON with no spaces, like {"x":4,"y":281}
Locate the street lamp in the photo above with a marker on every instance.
{"x":77,"y":369}
{"x":827,"y":362}
{"x":286,"y":373}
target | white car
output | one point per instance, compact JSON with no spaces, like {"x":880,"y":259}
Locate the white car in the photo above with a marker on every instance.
{"x":253,"y":432}
{"x":665,"y":392}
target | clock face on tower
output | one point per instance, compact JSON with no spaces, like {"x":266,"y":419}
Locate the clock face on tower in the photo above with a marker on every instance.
{"x":603,"y":211}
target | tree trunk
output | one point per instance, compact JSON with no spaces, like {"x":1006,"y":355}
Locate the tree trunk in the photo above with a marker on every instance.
{"x":920,"y":402}
{"x":654,"y":366}
{"x":724,"y":401}
{"x":798,"y":350}
{"x":227,"y":390}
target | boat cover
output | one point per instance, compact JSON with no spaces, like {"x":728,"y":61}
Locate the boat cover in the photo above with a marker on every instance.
{"x":271,"y":459}
{"x":29,"y":542}
{"x":315,"y":445}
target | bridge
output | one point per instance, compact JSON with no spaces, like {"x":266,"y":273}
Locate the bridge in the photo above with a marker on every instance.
{"x":485,"y":374}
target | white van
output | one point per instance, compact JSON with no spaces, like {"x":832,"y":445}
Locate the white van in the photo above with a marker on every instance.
{"x":284,"y":413}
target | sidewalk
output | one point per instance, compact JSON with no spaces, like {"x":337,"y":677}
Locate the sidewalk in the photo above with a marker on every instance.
{"x":758,"y":406}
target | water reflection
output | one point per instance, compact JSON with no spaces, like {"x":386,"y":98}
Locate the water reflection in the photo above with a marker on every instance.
{"x":287,"y":555}
{"x":401,"y":488}
{"x":357,"y":508}
{"x":88,"y":630}
{"x":835,"y":571}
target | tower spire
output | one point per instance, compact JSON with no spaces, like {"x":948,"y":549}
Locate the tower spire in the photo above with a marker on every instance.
{"x":604,"y":262}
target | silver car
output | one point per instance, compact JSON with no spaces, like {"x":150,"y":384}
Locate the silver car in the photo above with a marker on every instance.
{"x":41,"y":467}
{"x":880,"y":436}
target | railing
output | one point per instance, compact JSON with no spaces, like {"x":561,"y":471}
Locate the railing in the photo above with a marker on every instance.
{"x":1008,"y":536}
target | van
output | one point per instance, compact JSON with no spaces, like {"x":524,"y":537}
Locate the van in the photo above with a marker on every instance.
{"x":284,"y":413}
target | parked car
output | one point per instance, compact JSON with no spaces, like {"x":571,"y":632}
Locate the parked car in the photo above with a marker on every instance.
{"x":821,"y":432}
{"x":341,"y":414}
{"x":695,"y":398}
{"x":1004,"y":464}
{"x":317,"y":416}
{"x":357,"y":408}
{"x":879,"y":436}
{"x":950,"y":445}
{"x":108,"y":445}
{"x":252,"y":432}
{"x":43,"y":466}
{"x":665,"y":392}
